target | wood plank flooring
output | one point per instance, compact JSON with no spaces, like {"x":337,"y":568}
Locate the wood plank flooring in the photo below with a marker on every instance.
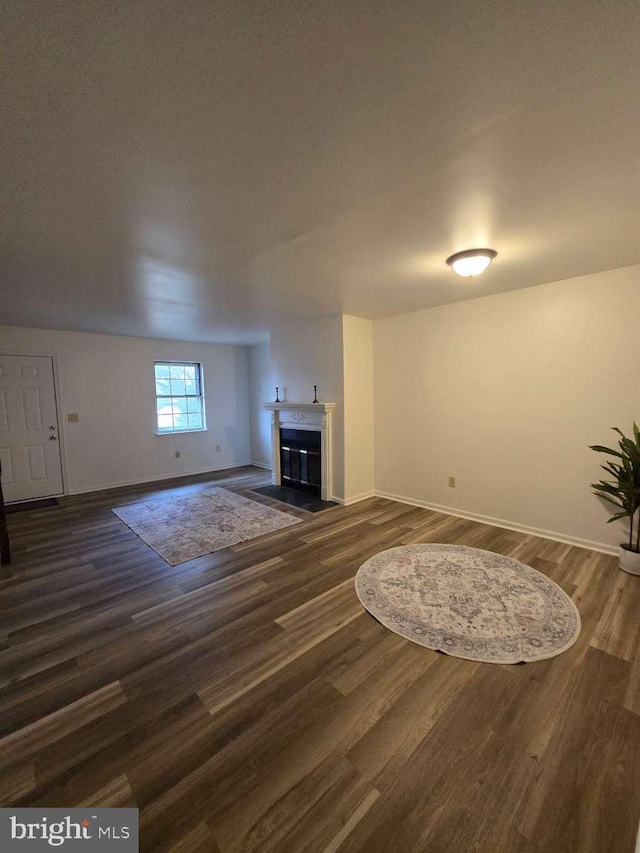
{"x":244,"y":701}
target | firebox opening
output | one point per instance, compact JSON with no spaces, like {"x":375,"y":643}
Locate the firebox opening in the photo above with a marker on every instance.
{"x":300,"y":460}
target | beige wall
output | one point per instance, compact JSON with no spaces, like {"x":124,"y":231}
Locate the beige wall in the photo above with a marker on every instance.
{"x":358,"y":407}
{"x":308,"y":354}
{"x":261,"y":390}
{"x":108,"y":381}
{"x":505,"y":393}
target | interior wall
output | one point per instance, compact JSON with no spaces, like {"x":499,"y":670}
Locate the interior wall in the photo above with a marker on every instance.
{"x":308,"y":354}
{"x":108,"y":381}
{"x":358,"y":408}
{"x":261,"y":390}
{"x":505,"y":393}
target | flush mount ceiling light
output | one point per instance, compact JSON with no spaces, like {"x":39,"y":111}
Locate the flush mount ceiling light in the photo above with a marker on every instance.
{"x":472,"y":262}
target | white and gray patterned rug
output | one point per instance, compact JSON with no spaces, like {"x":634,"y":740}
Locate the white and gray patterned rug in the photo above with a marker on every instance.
{"x":184,"y":527}
{"x":469,"y":603}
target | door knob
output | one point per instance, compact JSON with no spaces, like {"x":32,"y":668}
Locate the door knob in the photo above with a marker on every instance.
{"x":52,"y":438}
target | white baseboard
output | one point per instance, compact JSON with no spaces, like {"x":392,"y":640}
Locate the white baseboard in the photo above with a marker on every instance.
{"x":507,"y":525}
{"x":138,"y":482}
{"x":261,"y":465}
{"x":357,"y":498}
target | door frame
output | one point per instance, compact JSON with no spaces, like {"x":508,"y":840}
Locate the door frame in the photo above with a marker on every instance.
{"x":57,"y":393}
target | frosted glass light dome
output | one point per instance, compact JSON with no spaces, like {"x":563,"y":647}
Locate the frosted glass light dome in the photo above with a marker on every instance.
{"x":472,"y":262}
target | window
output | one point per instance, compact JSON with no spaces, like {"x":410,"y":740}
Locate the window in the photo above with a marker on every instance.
{"x":179,"y":400}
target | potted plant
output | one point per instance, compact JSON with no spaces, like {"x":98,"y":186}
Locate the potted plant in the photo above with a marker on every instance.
{"x":623,"y":491}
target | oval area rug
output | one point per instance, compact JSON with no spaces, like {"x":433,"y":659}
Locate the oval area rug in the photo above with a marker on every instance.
{"x":468,"y":603}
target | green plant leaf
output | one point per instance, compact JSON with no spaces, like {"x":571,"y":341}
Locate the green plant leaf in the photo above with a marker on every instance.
{"x":611,"y":501}
{"x":617,"y":516}
{"x":599,"y":448}
{"x":603,"y":486}
{"x":612,"y":468}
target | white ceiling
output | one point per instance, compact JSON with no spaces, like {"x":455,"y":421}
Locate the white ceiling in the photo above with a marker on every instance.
{"x":211,"y":170}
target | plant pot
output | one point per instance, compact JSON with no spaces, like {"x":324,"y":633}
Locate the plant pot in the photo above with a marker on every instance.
{"x":629,"y":560}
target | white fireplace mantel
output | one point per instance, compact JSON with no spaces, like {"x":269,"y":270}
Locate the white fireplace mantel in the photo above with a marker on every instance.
{"x":311,"y":416}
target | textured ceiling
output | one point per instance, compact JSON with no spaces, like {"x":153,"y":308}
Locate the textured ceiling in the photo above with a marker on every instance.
{"x":212,"y":170}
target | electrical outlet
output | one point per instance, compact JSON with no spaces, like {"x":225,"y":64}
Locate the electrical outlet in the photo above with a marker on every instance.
{"x":73,"y":418}
{"x":452,"y":482}
{"x":177,"y":454}
{"x":218,"y":448}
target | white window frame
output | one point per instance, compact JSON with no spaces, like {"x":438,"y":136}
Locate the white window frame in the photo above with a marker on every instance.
{"x":200,"y":396}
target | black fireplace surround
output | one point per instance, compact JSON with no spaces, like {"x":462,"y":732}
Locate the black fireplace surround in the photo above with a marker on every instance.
{"x":300,"y":460}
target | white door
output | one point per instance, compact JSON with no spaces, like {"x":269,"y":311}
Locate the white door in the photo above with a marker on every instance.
{"x":29,"y":445}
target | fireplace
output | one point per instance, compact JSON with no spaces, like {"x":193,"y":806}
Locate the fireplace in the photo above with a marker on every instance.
{"x":305,"y":429}
{"x":301,"y":460}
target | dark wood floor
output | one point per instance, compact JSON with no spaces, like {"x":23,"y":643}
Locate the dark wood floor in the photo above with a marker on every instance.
{"x":245,"y":701}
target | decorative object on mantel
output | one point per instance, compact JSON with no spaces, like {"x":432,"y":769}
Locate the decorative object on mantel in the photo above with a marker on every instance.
{"x":315,"y":394}
{"x":623,"y":491}
{"x":277,"y":400}
{"x":468,"y":603}
{"x":188,"y":526}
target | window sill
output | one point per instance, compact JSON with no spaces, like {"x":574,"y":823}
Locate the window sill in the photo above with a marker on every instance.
{"x":181,"y":431}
